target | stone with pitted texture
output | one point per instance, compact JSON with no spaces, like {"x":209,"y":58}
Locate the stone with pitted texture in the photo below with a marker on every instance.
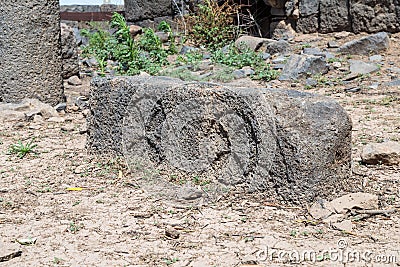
{"x":30,"y":51}
{"x":294,"y":146}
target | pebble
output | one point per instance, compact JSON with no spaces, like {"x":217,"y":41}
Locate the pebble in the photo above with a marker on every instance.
{"x":74,"y":80}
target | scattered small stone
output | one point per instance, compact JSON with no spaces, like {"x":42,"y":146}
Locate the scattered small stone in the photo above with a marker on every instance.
{"x":171,"y":233}
{"x":393,"y":83}
{"x":352,"y":90}
{"x":375,"y":58}
{"x":164,"y":37}
{"x":37,"y":118}
{"x":336,"y":65}
{"x":56,"y":119}
{"x":354,"y":200}
{"x":333,"y":44}
{"x":312,"y":51}
{"x":72,"y":108}
{"x":282,"y":30}
{"x":189,"y":193}
{"x":186,"y":49}
{"x":265,"y":56}
{"x":341,"y":35}
{"x":68,"y":128}
{"x":279,"y":60}
{"x":248,"y":71}
{"x":321,"y":210}
{"x":374,"y":86}
{"x":311,"y":82}
{"x":135,"y":30}
{"x":345,"y":225}
{"x":60,"y":107}
{"x":238,"y":74}
{"x":19,"y":125}
{"x":86,"y":112}
{"x":351,"y":76}
{"x":35,"y":127}
{"x":360,"y":67}
{"x":387,"y":153}
{"x":80,"y":169}
{"x":74,"y":80}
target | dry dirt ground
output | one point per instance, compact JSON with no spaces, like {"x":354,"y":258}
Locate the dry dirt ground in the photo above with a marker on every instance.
{"x":115,"y":222}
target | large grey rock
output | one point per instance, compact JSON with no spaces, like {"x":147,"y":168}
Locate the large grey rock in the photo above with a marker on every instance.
{"x":70,"y":61}
{"x":291,"y":145}
{"x":366,"y":45}
{"x":30,"y":51}
{"x":300,"y":66}
{"x":137,"y":10}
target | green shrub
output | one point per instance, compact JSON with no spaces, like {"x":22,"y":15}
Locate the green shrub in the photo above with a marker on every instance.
{"x":213,"y":24}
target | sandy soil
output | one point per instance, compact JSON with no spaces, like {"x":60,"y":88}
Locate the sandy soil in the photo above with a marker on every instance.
{"x":114,"y":221}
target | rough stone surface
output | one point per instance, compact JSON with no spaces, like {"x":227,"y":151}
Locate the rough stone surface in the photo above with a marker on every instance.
{"x":282,"y":30}
{"x":366,"y":45}
{"x":278,"y":47}
{"x":252,"y":42}
{"x":334,"y":16}
{"x":387,"y":153}
{"x":361,"y":67}
{"x":299,"y":66}
{"x":354,"y":200}
{"x":337,"y":15}
{"x":70,"y":61}
{"x":138,"y":10}
{"x":374,"y":16}
{"x":26,"y":109}
{"x":295,"y":146}
{"x":30,"y":51}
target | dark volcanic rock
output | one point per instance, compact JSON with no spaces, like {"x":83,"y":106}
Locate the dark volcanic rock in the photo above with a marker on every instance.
{"x":294,"y":146}
{"x":364,"y":46}
{"x":70,"y":66}
{"x":299,"y":66}
{"x":30,"y":51}
{"x":137,"y":10}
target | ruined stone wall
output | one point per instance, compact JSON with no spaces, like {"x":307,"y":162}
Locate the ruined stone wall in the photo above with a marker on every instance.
{"x":30,"y":51}
{"x":305,"y":16}
{"x":338,"y":15}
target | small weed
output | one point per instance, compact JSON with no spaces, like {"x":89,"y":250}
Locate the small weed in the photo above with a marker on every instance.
{"x":22,"y":149}
{"x":213,"y":24}
{"x":73,"y":228}
{"x":306,"y":45}
{"x":171,"y":261}
{"x":293,"y":233}
{"x":57,"y":260}
{"x":76,"y":203}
